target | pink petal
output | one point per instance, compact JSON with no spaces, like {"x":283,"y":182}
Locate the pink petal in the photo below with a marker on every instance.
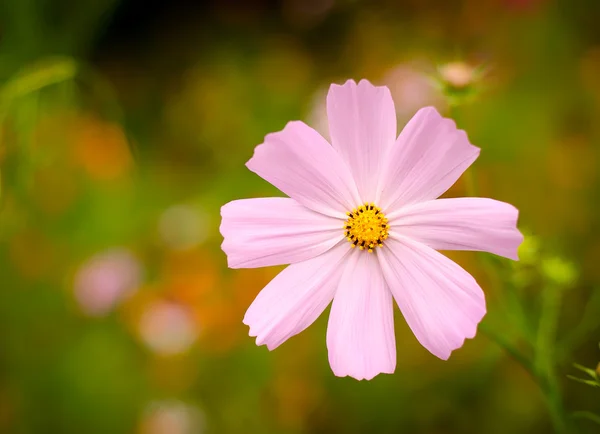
{"x":469,"y":223}
{"x":440,"y":301}
{"x":428,"y":157}
{"x":275,"y":231}
{"x":360,"y":335}
{"x":362,"y":126}
{"x":299,"y":162}
{"x":295,"y":298}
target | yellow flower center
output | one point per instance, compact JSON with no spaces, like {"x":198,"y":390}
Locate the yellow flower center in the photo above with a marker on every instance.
{"x":366,"y":227}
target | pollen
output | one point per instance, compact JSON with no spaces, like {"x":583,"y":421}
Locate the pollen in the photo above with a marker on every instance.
{"x":366,"y":227}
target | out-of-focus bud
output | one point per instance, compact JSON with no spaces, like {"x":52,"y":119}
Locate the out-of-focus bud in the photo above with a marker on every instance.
{"x":172,"y":417}
{"x":167,"y":328}
{"x":529,"y":250}
{"x":457,"y":74}
{"x":105,"y":280}
{"x":458,"y":81}
{"x":559,"y":271}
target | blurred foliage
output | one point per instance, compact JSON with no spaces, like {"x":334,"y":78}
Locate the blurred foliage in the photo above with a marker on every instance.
{"x":591,"y":373}
{"x":125,"y":125}
{"x":591,"y":378}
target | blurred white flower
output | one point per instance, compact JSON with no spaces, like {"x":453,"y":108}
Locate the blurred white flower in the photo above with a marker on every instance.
{"x":106,"y":279}
{"x":167,"y":328}
{"x":172,"y":417}
{"x":182,"y":227}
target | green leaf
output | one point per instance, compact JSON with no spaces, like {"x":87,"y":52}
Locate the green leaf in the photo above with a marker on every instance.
{"x":584,"y":381}
{"x":588,"y":371}
{"x":37,"y":76}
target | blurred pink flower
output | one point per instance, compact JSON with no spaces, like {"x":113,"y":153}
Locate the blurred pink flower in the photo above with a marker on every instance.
{"x":168,"y":328}
{"x":411,"y":89}
{"x":370,"y":190}
{"x":317,"y":115}
{"x":105,"y":280}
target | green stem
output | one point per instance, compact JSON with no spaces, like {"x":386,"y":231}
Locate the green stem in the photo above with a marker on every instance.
{"x":554,"y":404}
{"x":545,"y":355}
{"x":542,"y":368}
{"x":507,"y":346}
{"x":547,"y":384}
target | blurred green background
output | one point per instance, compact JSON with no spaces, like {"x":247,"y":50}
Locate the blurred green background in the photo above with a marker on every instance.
{"x":125,"y":125}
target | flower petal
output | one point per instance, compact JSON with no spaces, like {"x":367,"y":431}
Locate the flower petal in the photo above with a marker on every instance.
{"x":275,"y":231}
{"x":362,"y":126}
{"x":299,"y":162}
{"x":440,"y":301}
{"x":295,"y":298}
{"x":428,"y":157}
{"x":360,"y":334}
{"x":468,"y":223}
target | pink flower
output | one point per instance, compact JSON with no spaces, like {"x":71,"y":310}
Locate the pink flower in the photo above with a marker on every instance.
{"x":362,"y":226}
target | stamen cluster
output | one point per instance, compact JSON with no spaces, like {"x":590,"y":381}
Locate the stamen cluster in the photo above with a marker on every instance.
{"x":366,"y":227}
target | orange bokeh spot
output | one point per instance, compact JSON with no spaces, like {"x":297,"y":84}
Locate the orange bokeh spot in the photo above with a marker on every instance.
{"x":54,"y":190}
{"x":101,"y":148}
{"x":32,"y":254}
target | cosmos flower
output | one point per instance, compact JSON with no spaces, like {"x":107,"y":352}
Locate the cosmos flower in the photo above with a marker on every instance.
{"x":361,"y":226}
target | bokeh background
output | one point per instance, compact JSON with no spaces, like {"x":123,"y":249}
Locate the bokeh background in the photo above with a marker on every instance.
{"x":125,"y":125}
